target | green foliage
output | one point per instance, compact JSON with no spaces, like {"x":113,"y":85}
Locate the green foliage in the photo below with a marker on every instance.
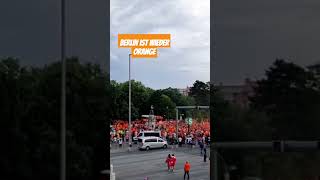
{"x":177,"y":97}
{"x":139,"y":102}
{"x":163,"y":105}
{"x":200,"y":91}
{"x":88,"y":108}
{"x":30,"y":116}
{"x":30,"y":120}
{"x":285,"y":105}
{"x":290,"y":96}
{"x":164,"y":101}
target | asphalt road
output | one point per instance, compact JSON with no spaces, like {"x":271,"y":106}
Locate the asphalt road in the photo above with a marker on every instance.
{"x":137,"y":165}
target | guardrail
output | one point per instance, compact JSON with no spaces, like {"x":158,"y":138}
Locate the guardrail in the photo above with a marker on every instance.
{"x":279,"y":145}
{"x":108,"y":173}
{"x":274,"y":146}
{"x":112,"y":173}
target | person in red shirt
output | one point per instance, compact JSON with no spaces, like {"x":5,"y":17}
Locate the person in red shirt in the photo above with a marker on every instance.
{"x":174,"y":160}
{"x":171,"y":163}
{"x":186,"y":170}
{"x":168,"y":161}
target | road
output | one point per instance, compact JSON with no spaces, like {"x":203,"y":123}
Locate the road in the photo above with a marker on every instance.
{"x":137,"y":165}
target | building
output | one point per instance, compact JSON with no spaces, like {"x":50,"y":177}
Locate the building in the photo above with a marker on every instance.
{"x":315,"y":68}
{"x":238,"y":94}
{"x":184,"y":91}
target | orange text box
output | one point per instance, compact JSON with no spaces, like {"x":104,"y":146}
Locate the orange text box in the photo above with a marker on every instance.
{"x":144,"y":45}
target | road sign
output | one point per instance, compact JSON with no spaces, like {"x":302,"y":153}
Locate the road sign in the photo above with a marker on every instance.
{"x":189,"y":121}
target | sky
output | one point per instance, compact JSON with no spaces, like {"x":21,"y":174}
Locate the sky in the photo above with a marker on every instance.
{"x":187,"y":60}
{"x":249,"y":36}
{"x":30,"y":31}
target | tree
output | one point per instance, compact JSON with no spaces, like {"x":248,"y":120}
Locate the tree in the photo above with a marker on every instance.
{"x":139,"y":99}
{"x":88,"y":111}
{"x":200,"y":91}
{"x":162,"y":104}
{"x":177,"y":97}
{"x":290,"y":96}
{"x":30,"y":116}
{"x":233,"y":123}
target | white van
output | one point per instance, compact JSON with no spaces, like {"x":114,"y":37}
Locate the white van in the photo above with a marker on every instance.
{"x":143,"y":134}
{"x":149,"y":134}
{"x":152,"y":143}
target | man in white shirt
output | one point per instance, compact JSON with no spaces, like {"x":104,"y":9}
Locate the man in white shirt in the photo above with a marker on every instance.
{"x":120,"y":142}
{"x":180,"y":141}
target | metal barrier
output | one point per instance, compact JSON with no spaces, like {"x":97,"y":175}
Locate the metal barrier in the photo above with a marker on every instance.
{"x":112,"y":174}
{"x":108,"y":173}
{"x":274,"y":146}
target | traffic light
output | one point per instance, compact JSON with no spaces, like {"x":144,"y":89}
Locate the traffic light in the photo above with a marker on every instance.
{"x":278,"y":146}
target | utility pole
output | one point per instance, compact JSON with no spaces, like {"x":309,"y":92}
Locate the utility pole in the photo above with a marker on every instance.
{"x":177,"y":119}
{"x":130,"y":135}
{"x":63,"y":96}
{"x":151,"y":122}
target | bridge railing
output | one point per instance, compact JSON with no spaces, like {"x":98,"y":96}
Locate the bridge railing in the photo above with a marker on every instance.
{"x":273,"y":146}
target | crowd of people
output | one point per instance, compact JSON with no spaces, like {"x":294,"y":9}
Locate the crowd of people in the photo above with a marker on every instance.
{"x":187,"y":133}
{"x":196,"y":133}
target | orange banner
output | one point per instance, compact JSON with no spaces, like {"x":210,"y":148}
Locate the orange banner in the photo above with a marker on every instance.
{"x":144,"y":45}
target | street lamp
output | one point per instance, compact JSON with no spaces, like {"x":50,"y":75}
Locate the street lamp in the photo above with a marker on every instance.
{"x":177,"y":119}
{"x":167,"y":116}
{"x":130,"y":135}
{"x":63,"y":93}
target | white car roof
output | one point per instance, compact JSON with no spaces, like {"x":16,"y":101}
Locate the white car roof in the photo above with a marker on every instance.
{"x":150,"y":131}
{"x":149,"y":137}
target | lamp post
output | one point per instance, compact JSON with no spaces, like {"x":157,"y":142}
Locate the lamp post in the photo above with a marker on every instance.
{"x":130,"y":135}
{"x":151,"y":118}
{"x":177,"y":119}
{"x":63,"y":95}
{"x":167,"y":116}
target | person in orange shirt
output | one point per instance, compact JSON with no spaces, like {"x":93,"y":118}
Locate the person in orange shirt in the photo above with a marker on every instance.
{"x":186,"y":170}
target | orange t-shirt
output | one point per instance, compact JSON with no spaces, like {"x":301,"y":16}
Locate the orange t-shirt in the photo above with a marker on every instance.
{"x":187,"y":167}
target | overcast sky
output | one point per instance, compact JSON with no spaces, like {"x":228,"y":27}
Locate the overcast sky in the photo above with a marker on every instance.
{"x":187,"y":60}
{"x":30,"y":30}
{"x":250,"y":35}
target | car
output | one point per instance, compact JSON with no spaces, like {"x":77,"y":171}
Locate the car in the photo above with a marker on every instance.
{"x":149,"y":134}
{"x":147,"y":143}
{"x":135,"y":139}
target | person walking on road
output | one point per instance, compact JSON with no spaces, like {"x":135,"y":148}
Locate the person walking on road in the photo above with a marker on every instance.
{"x":120,"y":142}
{"x":180,"y":141}
{"x":205,"y":155}
{"x":168,"y":161}
{"x":171,"y":163}
{"x":201,"y":147}
{"x":186,"y":170}
{"x":174,"y":160}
